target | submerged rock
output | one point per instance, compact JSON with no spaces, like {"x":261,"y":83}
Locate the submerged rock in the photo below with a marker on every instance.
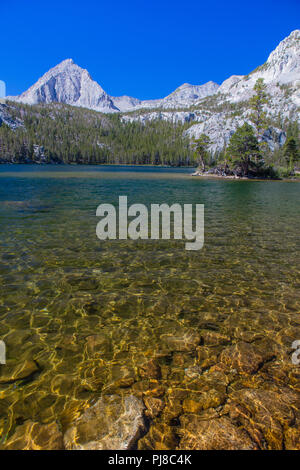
{"x":193,"y":371}
{"x":244,"y":357}
{"x":152,"y":388}
{"x":68,"y":342}
{"x":212,"y":434}
{"x":160,"y":437}
{"x":150,"y":369}
{"x":207,"y":356}
{"x":202,"y":401}
{"x":13,"y":373}
{"x":113,"y":423}
{"x":98,"y":343}
{"x":214,"y":338}
{"x":265,"y":414}
{"x":292,"y":438}
{"x":154,"y":406}
{"x":119,"y":377}
{"x":35,"y":436}
{"x":185,"y":342}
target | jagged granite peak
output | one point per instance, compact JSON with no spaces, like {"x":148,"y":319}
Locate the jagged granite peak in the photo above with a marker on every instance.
{"x":281,"y":68}
{"x":284,"y":61}
{"x":70,"y":84}
{"x":184,"y":96}
{"x":196,"y":89}
{"x":229,"y":83}
{"x":125,"y":103}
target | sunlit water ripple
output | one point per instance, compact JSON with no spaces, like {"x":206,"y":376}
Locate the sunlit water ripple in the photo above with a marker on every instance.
{"x":59,"y":284}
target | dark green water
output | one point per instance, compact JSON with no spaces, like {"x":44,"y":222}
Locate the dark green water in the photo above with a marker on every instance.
{"x":59,"y":284}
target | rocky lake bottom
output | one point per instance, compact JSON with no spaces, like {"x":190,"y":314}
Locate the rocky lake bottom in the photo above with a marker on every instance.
{"x":141,"y":344}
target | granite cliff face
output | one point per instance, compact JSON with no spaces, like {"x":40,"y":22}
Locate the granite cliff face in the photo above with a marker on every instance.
{"x":6,"y":118}
{"x":281,"y":70}
{"x":220,"y":129}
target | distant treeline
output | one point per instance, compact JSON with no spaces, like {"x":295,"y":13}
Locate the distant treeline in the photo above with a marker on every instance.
{"x":58,"y":133}
{"x":66,"y":134}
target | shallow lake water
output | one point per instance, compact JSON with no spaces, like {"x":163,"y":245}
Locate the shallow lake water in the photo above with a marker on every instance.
{"x":83,"y":318}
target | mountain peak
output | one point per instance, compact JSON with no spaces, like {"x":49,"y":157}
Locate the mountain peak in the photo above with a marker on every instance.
{"x":204,"y":85}
{"x":281,"y":68}
{"x":184,"y":85}
{"x":290,"y":42}
{"x":66,"y":62}
{"x":284,"y":62}
{"x":70,"y":84}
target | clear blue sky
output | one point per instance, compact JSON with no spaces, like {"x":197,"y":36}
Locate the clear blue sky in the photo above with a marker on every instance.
{"x":141,"y":48}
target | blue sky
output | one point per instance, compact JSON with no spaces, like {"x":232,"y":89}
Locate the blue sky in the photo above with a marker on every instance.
{"x":141,"y":48}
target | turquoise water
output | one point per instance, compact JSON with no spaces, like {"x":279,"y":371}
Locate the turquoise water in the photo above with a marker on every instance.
{"x":59,"y":284}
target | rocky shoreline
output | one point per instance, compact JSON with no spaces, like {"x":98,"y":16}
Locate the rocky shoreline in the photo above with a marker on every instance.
{"x":219,"y":174}
{"x":213,"y":175}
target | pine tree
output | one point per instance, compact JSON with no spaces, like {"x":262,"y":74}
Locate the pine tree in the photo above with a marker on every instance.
{"x":291,"y":151}
{"x":243,"y":148}
{"x":201,"y":150}
{"x":257,"y":102}
{"x":293,"y":130}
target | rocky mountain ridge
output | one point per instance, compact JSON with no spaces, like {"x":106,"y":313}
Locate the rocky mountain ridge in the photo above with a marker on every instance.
{"x":220,"y":114}
{"x":215,"y":110}
{"x":70,"y":84}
